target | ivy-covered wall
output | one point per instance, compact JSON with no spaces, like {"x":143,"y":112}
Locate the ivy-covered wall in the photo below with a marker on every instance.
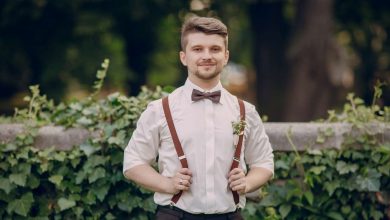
{"x":86,"y":182}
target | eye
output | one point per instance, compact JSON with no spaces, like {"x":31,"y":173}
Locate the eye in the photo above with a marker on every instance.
{"x":197,"y":49}
{"x":216,"y":49}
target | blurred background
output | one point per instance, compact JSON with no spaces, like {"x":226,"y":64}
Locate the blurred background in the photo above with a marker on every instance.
{"x":294,"y":59}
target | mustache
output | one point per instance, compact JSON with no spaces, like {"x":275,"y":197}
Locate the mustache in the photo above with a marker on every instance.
{"x":202,"y":63}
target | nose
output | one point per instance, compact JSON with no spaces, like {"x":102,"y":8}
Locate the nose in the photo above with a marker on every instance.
{"x":206,"y":55}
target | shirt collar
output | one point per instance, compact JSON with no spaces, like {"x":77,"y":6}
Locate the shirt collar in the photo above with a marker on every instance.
{"x":189,"y":86}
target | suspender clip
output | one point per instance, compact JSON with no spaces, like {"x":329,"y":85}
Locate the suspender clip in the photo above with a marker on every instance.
{"x":182,"y":157}
{"x":236,"y":159}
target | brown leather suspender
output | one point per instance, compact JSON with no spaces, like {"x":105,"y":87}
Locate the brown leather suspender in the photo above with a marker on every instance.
{"x":237,"y":154}
{"x":176,"y":142}
{"x":180,"y":152}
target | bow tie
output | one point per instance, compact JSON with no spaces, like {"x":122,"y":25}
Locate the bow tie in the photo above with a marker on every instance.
{"x":213,"y":96}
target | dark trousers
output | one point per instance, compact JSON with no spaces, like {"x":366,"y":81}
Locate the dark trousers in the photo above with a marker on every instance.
{"x":174,"y":213}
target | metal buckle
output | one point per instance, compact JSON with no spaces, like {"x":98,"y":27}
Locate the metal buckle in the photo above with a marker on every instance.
{"x":236,"y":159}
{"x":182,"y":157}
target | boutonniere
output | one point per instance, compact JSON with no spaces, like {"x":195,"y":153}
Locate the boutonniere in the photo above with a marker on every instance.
{"x":238,"y":129}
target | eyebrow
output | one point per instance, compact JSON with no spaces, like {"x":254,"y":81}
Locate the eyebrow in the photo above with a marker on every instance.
{"x":199,"y":45}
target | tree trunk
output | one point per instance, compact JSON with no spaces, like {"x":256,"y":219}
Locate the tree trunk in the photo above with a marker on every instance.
{"x":317,"y":63}
{"x":270,"y":31}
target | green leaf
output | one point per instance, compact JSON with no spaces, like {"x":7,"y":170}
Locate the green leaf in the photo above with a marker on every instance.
{"x":44,"y":166}
{"x":314,"y":152}
{"x":88,"y":149}
{"x":129,"y":204}
{"x":24,"y":168}
{"x":39,"y":218}
{"x":385,"y":169}
{"x":84,"y":121}
{"x":60,"y":156}
{"x":376,"y":215}
{"x":97,"y":174}
{"x":344,"y":168}
{"x":94,"y":161}
{"x":18,"y":179}
{"x":12,"y":161}
{"x":335,"y":215}
{"x":317,"y":169}
{"x":80,"y":176}
{"x":21,"y":206}
{"x":309,"y":197}
{"x":284,"y":210}
{"x":56,"y":179}
{"x":320,"y":139}
{"x":101,"y":192}
{"x":32,"y":181}
{"x":329,"y":132}
{"x":5,"y":185}
{"x":331,"y":186}
{"x":101,"y":74}
{"x":116,"y":140}
{"x":371,"y":182}
{"x":282,"y":165}
{"x":270,"y":200}
{"x":75,"y":162}
{"x":357,"y":155}
{"x":76,"y":106}
{"x":148,"y":205}
{"x":346,"y":209}
{"x":90,"y":198}
{"x":4,"y":166}
{"x":109,"y":216}
{"x":9,"y":147}
{"x":117,"y":158}
{"x":64,"y":203}
{"x":250,"y":208}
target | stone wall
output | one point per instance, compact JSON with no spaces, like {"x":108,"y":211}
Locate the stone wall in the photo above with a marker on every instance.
{"x":301,"y":135}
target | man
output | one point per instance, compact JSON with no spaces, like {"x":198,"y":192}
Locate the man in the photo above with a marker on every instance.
{"x":197,"y":179}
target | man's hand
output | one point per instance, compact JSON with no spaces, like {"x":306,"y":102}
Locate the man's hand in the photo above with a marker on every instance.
{"x":255,"y":178}
{"x":237,"y":180}
{"x":181,"y":181}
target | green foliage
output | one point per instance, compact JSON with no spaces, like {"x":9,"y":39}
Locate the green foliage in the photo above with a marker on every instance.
{"x":87,"y":181}
{"x":349,"y":183}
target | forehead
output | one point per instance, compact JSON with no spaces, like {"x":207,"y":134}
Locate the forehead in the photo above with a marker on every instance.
{"x":206,"y":40}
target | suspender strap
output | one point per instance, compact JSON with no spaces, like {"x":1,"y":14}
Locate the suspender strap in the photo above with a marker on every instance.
{"x":179,"y":148}
{"x":237,"y":153}
{"x":176,"y":142}
{"x":172,"y":129}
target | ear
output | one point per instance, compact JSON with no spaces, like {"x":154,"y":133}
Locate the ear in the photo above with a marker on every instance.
{"x":182,"y":55}
{"x":226,"y":57}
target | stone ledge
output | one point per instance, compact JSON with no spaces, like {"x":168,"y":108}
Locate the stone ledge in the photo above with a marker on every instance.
{"x":303,"y":135}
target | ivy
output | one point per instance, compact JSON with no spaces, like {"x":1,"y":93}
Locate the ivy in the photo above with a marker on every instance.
{"x":86,"y":182}
{"x":350,"y":183}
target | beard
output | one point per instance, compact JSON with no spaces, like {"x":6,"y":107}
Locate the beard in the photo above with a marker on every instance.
{"x":207,"y":75}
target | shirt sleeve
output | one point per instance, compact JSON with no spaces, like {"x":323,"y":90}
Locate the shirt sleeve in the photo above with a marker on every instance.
{"x":258,"y":151}
{"x":144,"y":143}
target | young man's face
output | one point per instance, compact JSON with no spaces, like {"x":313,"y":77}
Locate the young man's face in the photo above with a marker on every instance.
{"x":204,"y":55}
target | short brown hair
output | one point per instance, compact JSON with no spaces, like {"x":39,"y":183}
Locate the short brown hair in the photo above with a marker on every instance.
{"x":205,"y":25}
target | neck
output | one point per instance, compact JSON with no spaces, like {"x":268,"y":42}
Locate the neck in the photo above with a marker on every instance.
{"x":205,"y":84}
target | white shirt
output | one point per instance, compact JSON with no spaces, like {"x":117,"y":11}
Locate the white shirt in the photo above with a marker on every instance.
{"x":206,"y":134}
